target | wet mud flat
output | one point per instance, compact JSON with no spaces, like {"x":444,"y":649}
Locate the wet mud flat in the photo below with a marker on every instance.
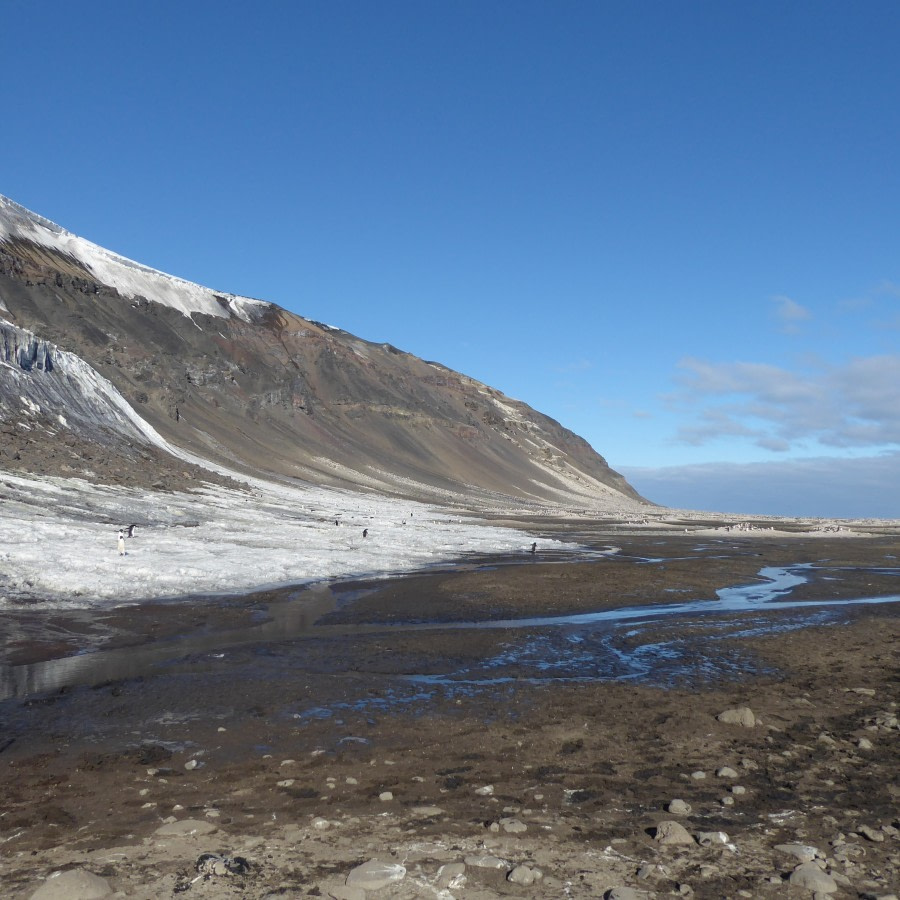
{"x":417,"y":722}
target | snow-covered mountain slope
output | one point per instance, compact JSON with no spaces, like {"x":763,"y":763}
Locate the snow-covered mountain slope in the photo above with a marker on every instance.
{"x":253,"y":387}
{"x":129,"y":278}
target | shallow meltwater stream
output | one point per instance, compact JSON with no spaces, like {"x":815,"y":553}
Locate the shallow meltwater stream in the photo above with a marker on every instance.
{"x":666,"y":643}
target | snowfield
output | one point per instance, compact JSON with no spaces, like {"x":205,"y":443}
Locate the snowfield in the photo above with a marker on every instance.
{"x":58,"y":540}
{"x":130,"y":278}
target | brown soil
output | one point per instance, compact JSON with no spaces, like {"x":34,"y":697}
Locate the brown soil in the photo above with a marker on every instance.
{"x":299,"y":740}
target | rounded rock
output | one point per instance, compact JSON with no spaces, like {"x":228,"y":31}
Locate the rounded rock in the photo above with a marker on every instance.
{"x":741,"y":715}
{"x":375,"y":874}
{"x":672,"y":833}
{"x":808,"y":875}
{"x":76,"y":884}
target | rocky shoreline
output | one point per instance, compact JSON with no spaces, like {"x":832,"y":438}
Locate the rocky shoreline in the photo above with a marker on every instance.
{"x":331,"y":766}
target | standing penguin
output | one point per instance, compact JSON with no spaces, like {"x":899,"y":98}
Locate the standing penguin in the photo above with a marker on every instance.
{"x":534,"y":547}
{"x":365,"y":532}
{"x":121,"y":543}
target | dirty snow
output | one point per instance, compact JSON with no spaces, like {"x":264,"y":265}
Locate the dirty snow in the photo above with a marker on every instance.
{"x":58,"y":540}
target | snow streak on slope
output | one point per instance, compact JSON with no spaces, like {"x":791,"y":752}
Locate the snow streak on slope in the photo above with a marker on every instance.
{"x":129,"y":278}
{"x":62,"y":386}
{"x":58,"y":540}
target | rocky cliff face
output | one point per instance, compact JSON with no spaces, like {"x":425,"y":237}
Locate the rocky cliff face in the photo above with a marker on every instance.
{"x":260,"y":389}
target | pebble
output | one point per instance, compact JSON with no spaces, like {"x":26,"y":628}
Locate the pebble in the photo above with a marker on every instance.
{"x":485,"y":791}
{"x":738,"y":789}
{"x":698,"y":775}
{"x":524,"y":875}
{"x":624,"y":893}
{"x":451,"y":876}
{"x":727,"y":801}
{"x":76,"y":884}
{"x":192,"y":764}
{"x":870,"y":833}
{"x":427,"y":810}
{"x":386,"y":796}
{"x":741,"y":715}
{"x":344,"y":892}
{"x":375,"y":874}
{"x":726,"y":772}
{"x":186,"y":827}
{"x":515,"y":826}
{"x":801,"y":852}
{"x":678,"y":808}
{"x":672,"y":833}
{"x":708,"y":838}
{"x":864,"y":744}
{"x":486,"y":861}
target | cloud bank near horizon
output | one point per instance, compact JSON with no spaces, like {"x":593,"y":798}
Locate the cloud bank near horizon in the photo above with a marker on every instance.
{"x":825,"y":487}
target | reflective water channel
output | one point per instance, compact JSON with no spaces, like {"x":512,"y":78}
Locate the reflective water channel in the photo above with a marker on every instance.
{"x":664,"y":643}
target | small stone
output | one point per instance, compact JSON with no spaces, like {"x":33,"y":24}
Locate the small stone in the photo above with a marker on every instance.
{"x":698,"y":775}
{"x":515,"y":826}
{"x":672,"y":833}
{"x":709,"y":838}
{"x":76,"y":884}
{"x":864,"y":744}
{"x":350,"y":780}
{"x":386,"y":796}
{"x":870,"y":833}
{"x":523,"y":875}
{"x":342,"y":892}
{"x":192,"y":764}
{"x":486,"y":861}
{"x":708,"y":871}
{"x":741,"y":715}
{"x":451,"y":876}
{"x":678,"y":808}
{"x":726,"y":772}
{"x":624,"y":893}
{"x":808,"y":875}
{"x":287,"y":782}
{"x":427,"y":810}
{"x":727,"y":801}
{"x":738,"y":790}
{"x":320,"y":824}
{"x":185,"y":827}
{"x":375,"y":874}
{"x":485,"y":791}
{"x":801,"y":852}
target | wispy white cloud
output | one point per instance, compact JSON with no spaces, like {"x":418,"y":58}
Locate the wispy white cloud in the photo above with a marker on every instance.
{"x":790,"y":313}
{"x":856,"y":404}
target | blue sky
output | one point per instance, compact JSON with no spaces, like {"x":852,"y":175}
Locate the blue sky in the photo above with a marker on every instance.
{"x":671,"y":226}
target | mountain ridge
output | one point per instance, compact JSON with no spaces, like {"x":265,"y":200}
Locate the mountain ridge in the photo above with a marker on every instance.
{"x":252,"y":386}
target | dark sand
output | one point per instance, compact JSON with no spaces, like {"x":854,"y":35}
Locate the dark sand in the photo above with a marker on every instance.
{"x":299,"y":732}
